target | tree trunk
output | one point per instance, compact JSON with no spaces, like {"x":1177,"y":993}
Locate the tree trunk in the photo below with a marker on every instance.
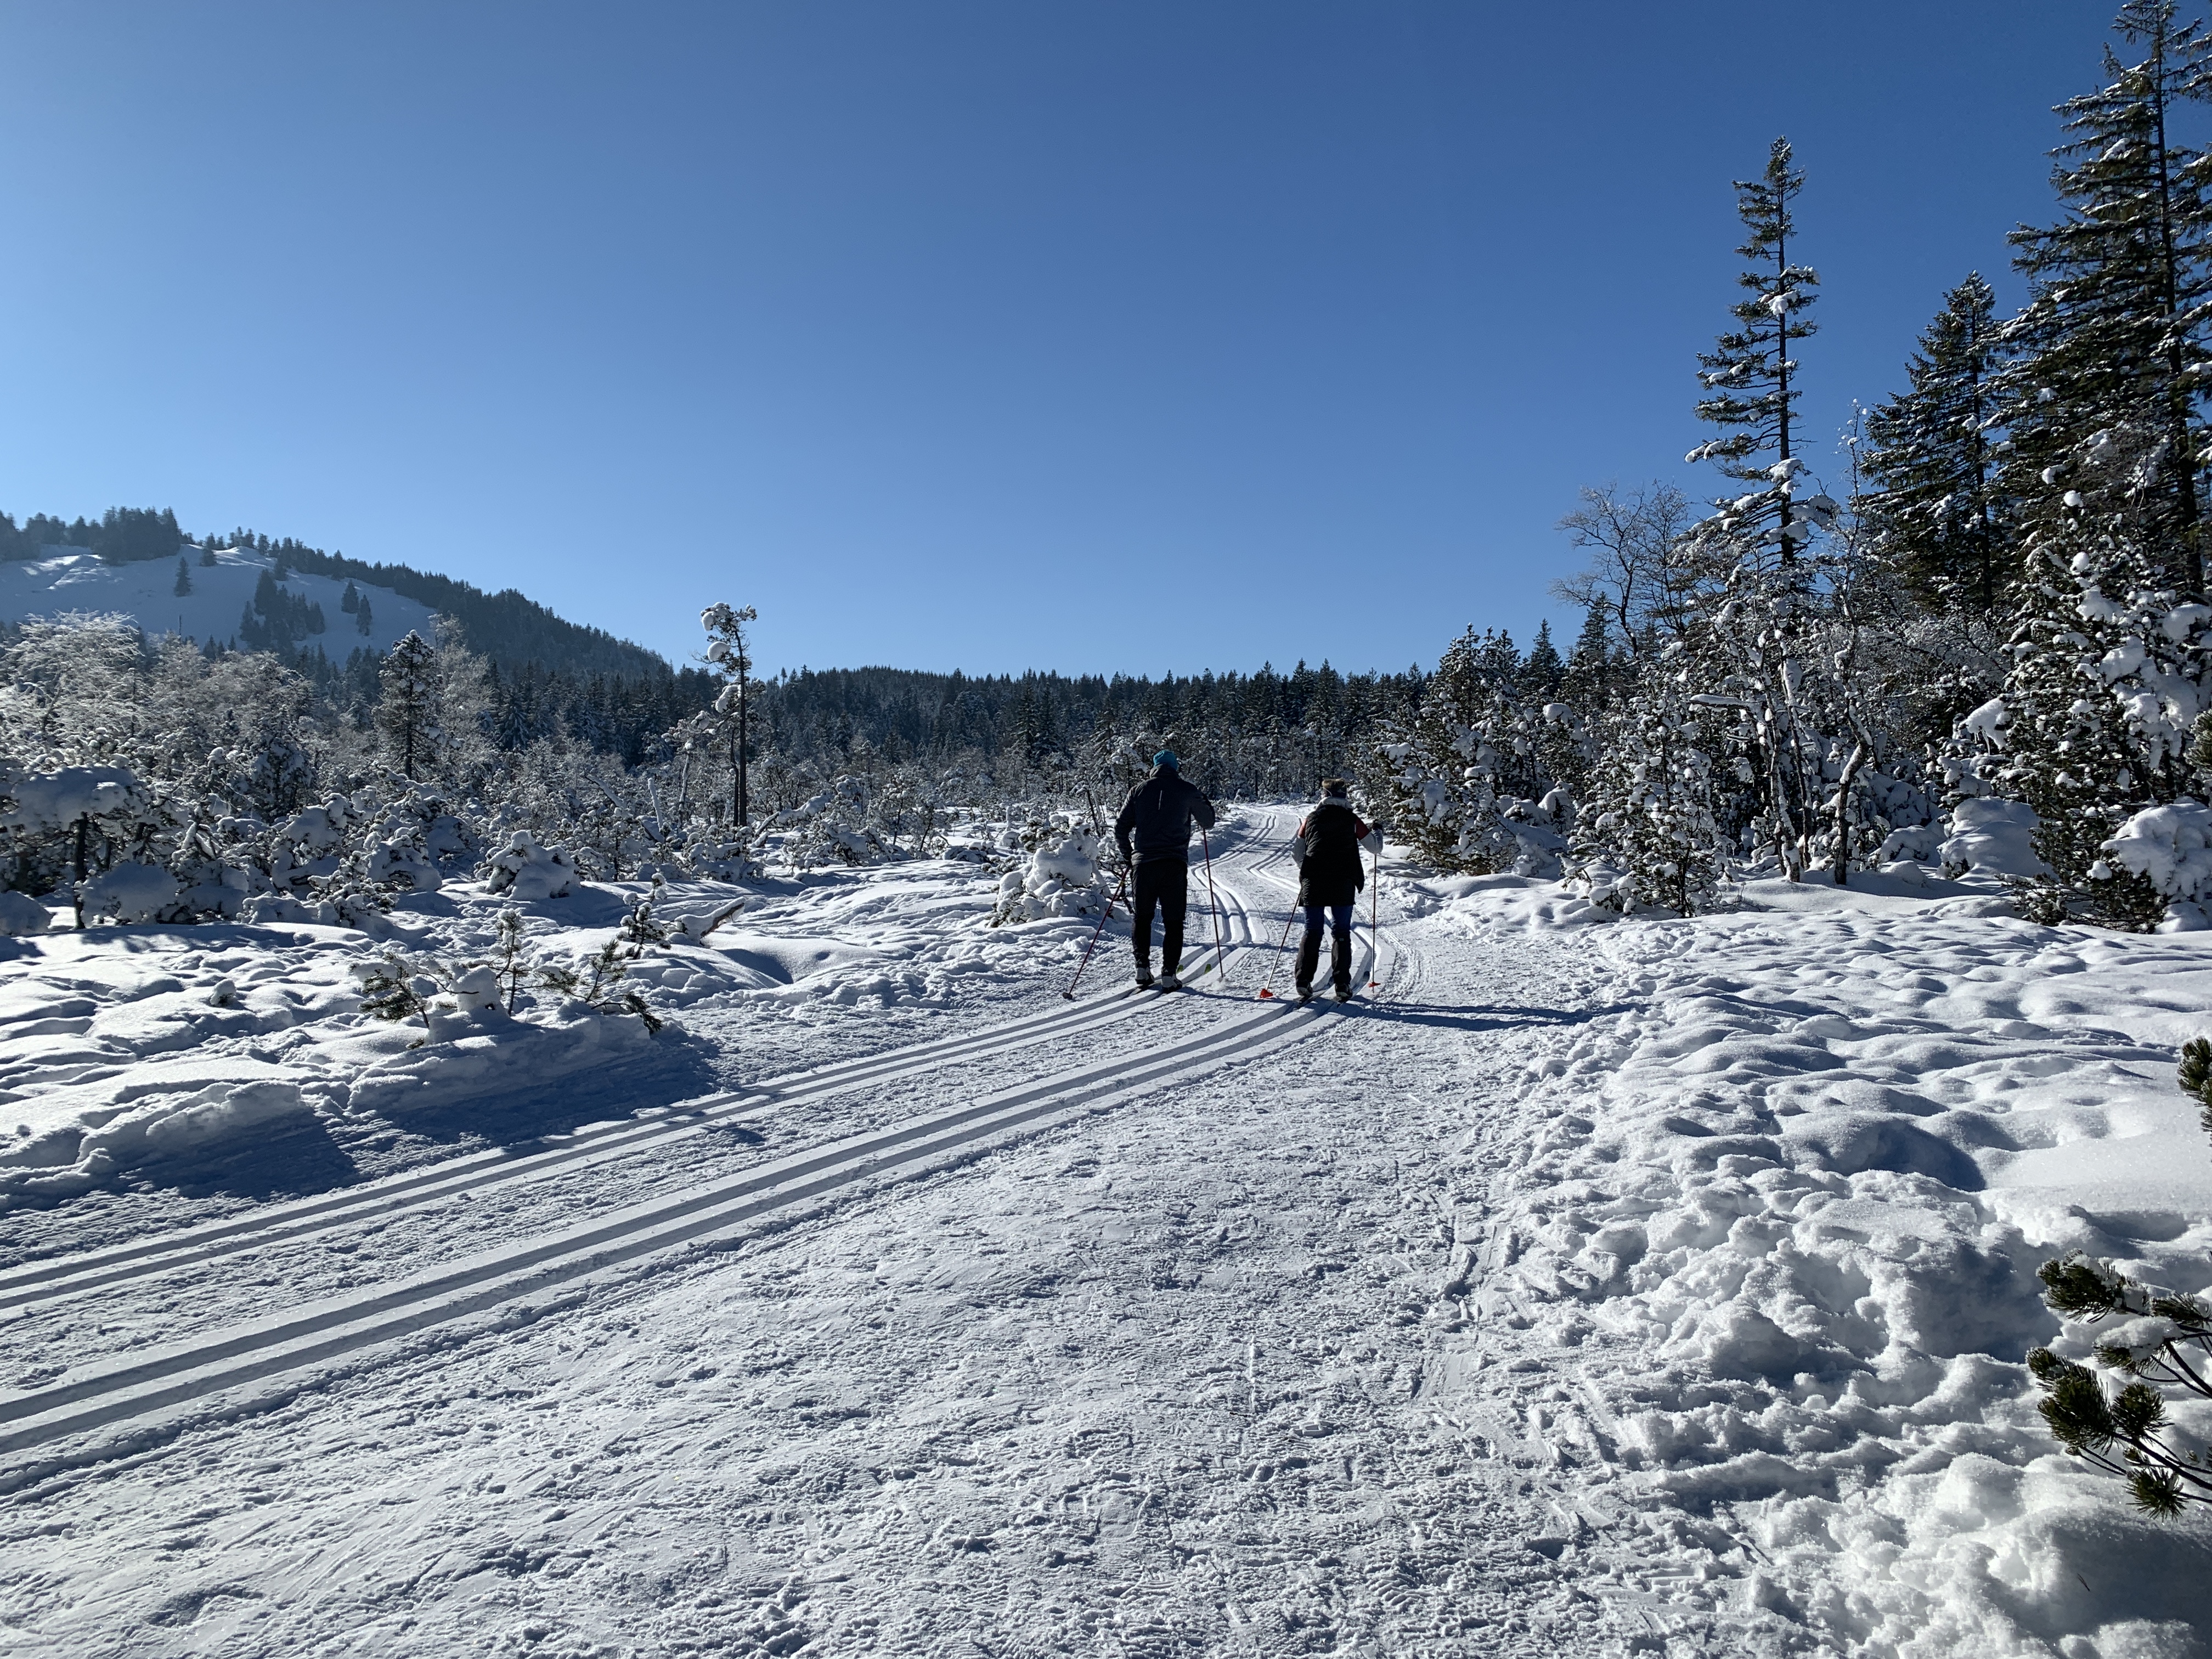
{"x":76,"y":888}
{"x":744,"y":802}
{"x":1843,"y":811}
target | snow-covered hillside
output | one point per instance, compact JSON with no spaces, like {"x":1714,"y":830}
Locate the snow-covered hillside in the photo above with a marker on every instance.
{"x":1590,"y":1287}
{"x":221,"y":593}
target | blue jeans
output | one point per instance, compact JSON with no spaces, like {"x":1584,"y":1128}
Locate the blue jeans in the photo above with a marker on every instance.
{"x":1340,"y":914}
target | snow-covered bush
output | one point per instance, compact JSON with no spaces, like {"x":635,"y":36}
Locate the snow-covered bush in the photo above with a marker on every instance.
{"x":834,"y":827}
{"x":1992,"y":834}
{"x":129,"y":892}
{"x":1648,"y":835}
{"x":1061,"y":878}
{"x":527,"y":872}
{"x":2171,"y":847}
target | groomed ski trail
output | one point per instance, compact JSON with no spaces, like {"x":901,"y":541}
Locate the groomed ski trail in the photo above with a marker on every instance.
{"x":169,"y":1382}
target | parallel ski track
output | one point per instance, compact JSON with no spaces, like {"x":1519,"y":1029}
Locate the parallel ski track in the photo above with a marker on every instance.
{"x":52,"y":1280}
{"x":304,"y":1338}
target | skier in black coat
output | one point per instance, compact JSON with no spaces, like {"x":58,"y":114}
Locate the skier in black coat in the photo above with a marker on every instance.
{"x":1153,"y":833}
{"x":1330,"y":876}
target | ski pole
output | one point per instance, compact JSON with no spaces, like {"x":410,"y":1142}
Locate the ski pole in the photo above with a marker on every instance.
{"x":1070,"y":992}
{"x":1219,"y":952}
{"x":1374,"y":919}
{"x":1267,"y":991}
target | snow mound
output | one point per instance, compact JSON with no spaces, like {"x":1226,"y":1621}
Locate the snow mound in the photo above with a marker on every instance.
{"x":20,"y":914}
{"x":157,"y":1127}
{"x":484,"y":1054}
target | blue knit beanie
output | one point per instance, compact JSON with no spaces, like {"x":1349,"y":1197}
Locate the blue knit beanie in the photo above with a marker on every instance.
{"x":1166,"y":757}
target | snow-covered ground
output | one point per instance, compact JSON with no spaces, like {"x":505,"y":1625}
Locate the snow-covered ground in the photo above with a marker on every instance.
{"x":221,"y":592}
{"x":1591,"y":1287}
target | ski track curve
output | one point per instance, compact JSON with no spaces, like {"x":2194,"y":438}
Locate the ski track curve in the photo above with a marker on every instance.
{"x":171,"y":1382}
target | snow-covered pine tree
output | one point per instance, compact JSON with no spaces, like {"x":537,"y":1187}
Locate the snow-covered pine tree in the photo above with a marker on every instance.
{"x":1937,"y":506}
{"x":1648,"y":835}
{"x":728,"y":654}
{"x":407,"y":714}
{"x":2117,"y":338}
{"x":2094,"y":721}
{"x":1746,"y":375}
{"x":1591,"y":672}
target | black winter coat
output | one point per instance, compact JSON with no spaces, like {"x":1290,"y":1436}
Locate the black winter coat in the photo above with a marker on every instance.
{"x":1328,"y":851}
{"x":1158,"y":817}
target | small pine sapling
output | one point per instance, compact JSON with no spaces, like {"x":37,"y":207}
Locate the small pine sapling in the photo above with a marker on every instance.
{"x":2196,"y":1078}
{"x":392,"y":989}
{"x":2128,"y":1434}
{"x":641,"y":928}
{"x":510,"y":961}
{"x":597,"y":983}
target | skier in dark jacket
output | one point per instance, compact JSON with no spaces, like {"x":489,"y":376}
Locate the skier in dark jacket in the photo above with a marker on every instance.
{"x":1330,"y":876}
{"x":1153,"y":833}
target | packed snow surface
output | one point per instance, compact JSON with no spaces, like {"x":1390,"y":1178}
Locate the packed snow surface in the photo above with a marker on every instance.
{"x":1590,"y":1286}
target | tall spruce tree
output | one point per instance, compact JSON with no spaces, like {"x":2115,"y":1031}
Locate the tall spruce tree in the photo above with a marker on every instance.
{"x":1749,"y":392}
{"x":1938,"y":509}
{"x":2117,"y":334}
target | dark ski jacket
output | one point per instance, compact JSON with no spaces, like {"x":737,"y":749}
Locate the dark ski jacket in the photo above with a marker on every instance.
{"x":1158,"y":817}
{"x":1327,"y":852}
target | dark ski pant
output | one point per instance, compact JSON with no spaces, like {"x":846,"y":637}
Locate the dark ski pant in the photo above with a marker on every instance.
{"x":1161,"y":883}
{"x":1339,"y":946}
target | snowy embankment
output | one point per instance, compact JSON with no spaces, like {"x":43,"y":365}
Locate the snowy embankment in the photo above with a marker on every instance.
{"x":1778,"y":1219}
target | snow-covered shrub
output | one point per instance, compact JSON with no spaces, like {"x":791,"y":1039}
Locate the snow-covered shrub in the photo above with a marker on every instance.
{"x":2096,"y":721}
{"x":1992,"y":834}
{"x":1476,"y":781}
{"x":834,"y":827}
{"x":1062,"y":878}
{"x":709,"y":853}
{"x":525,"y":871}
{"x":131,"y":892}
{"x":2170,"y":846}
{"x":54,"y":802}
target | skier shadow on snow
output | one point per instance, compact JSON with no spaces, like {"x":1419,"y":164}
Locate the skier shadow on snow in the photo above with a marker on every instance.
{"x":1482,"y":1017}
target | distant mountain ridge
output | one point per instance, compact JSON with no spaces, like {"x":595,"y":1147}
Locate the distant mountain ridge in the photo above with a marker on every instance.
{"x":508,"y":626}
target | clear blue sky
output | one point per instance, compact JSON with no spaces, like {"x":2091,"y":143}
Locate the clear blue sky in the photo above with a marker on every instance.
{"x":1134,"y":336}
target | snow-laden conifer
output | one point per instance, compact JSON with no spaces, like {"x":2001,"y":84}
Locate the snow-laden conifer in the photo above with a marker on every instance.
{"x":1647,"y":834}
{"x":2117,"y":338}
{"x":1748,"y":376}
{"x":2094,"y":722}
{"x":1934,"y":499}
